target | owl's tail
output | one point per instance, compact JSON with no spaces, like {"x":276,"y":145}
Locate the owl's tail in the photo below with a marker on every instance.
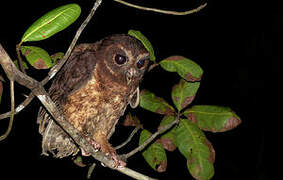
{"x":54,"y":139}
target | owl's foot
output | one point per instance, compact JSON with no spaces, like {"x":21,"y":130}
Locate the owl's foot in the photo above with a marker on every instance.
{"x":93,"y":143}
{"x":110,"y":151}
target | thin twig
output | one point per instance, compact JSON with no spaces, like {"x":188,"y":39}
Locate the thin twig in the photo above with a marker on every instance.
{"x":151,"y":138}
{"x":162,"y":11}
{"x":19,"y":108}
{"x":134,"y":174}
{"x":152,"y":66}
{"x":129,"y":138}
{"x":4,"y":136}
{"x":20,"y":60}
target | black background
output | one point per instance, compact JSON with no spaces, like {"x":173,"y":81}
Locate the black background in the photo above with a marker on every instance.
{"x":233,"y":41}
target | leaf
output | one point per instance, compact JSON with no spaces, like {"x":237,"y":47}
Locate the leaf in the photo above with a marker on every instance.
{"x":155,"y":104}
{"x":185,"y":67}
{"x":154,"y":155}
{"x":131,"y":121}
{"x":52,"y":22}
{"x":145,"y":42}
{"x":184,"y":93}
{"x":37,"y":57}
{"x":213,"y":118}
{"x":79,"y":161}
{"x":24,"y":63}
{"x":56,"y":57}
{"x":168,"y":140}
{"x":198,"y":151}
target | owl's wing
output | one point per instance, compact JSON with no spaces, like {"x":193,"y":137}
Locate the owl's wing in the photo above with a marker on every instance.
{"x":73,"y":75}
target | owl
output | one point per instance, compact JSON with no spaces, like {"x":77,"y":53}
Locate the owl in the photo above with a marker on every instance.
{"x":92,"y":90}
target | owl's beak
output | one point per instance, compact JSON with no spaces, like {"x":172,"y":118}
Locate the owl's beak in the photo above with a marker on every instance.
{"x":130,"y":74}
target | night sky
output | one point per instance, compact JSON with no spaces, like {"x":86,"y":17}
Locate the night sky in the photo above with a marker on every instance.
{"x":233,"y":41}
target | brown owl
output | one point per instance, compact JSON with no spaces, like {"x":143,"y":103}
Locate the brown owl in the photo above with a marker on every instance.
{"x":93,"y":90}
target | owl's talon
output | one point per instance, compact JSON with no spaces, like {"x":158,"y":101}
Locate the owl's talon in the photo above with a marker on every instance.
{"x":95,"y":145}
{"x":117,"y":161}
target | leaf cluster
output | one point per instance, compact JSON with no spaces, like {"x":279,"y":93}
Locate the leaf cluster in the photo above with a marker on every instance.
{"x":187,"y":136}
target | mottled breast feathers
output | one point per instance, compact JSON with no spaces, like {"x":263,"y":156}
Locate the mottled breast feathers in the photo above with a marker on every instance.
{"x":93,"y":89}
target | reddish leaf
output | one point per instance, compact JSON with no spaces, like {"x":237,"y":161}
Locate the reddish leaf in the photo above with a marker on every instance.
{"x":168,"y":139}
{"x":185,"y":67}
{"x":131,"y":121}
{"x":155,"y":104}
{"x":154,"y":154}
{"x":184,"y":93}
{"x":213,"y":118}
{"x":37,"y":57}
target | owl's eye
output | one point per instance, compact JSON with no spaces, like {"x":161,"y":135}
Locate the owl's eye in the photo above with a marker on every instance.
{"x":140,"y":63}
{"x":120,"y":59}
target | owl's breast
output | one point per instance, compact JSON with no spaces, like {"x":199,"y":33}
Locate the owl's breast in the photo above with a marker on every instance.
{"x":95,"y":106}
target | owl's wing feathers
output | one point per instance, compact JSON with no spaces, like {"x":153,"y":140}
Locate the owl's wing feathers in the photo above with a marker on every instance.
{"x":74,"y":74}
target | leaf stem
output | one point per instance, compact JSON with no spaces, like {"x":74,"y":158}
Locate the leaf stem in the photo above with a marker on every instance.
{"x":162,"y":11}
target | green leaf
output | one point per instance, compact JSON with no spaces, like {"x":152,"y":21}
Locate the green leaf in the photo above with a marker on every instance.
{"x":52,"y":23}
{"x":198,"y":151}
{"x":185,"y":67}
{"x":184,"y":93}
{"x":155,"y":104}
{"x":37,"y":57}
{"x":132,"y":121}
{"x":145,"y":42}
{"x":24,"y":63}
{"x":56,"y":57}
{"x":154,"y":155}
{"x":168,"y":140}
{"x":213,"y":118}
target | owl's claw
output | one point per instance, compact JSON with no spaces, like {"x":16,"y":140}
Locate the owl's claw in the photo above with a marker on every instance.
{"x":94,"y":144}
{"x":117,"y":161}
{"x":110,"y":151}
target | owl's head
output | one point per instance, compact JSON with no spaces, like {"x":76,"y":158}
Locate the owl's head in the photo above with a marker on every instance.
{"x":124,"y":57}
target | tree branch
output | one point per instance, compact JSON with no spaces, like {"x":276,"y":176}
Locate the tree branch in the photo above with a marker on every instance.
{"x":160,"y":10}
{"x":58,"y":66}
{"x":129,"y":138}
{"x":19,"y":108}
{"x":152,"y":137}
{"x":37,"y":89}
{"x":20,"y":60}
{"x":12,"y":92}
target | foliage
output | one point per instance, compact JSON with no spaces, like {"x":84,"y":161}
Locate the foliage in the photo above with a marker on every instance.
{"x":187,"y":136}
